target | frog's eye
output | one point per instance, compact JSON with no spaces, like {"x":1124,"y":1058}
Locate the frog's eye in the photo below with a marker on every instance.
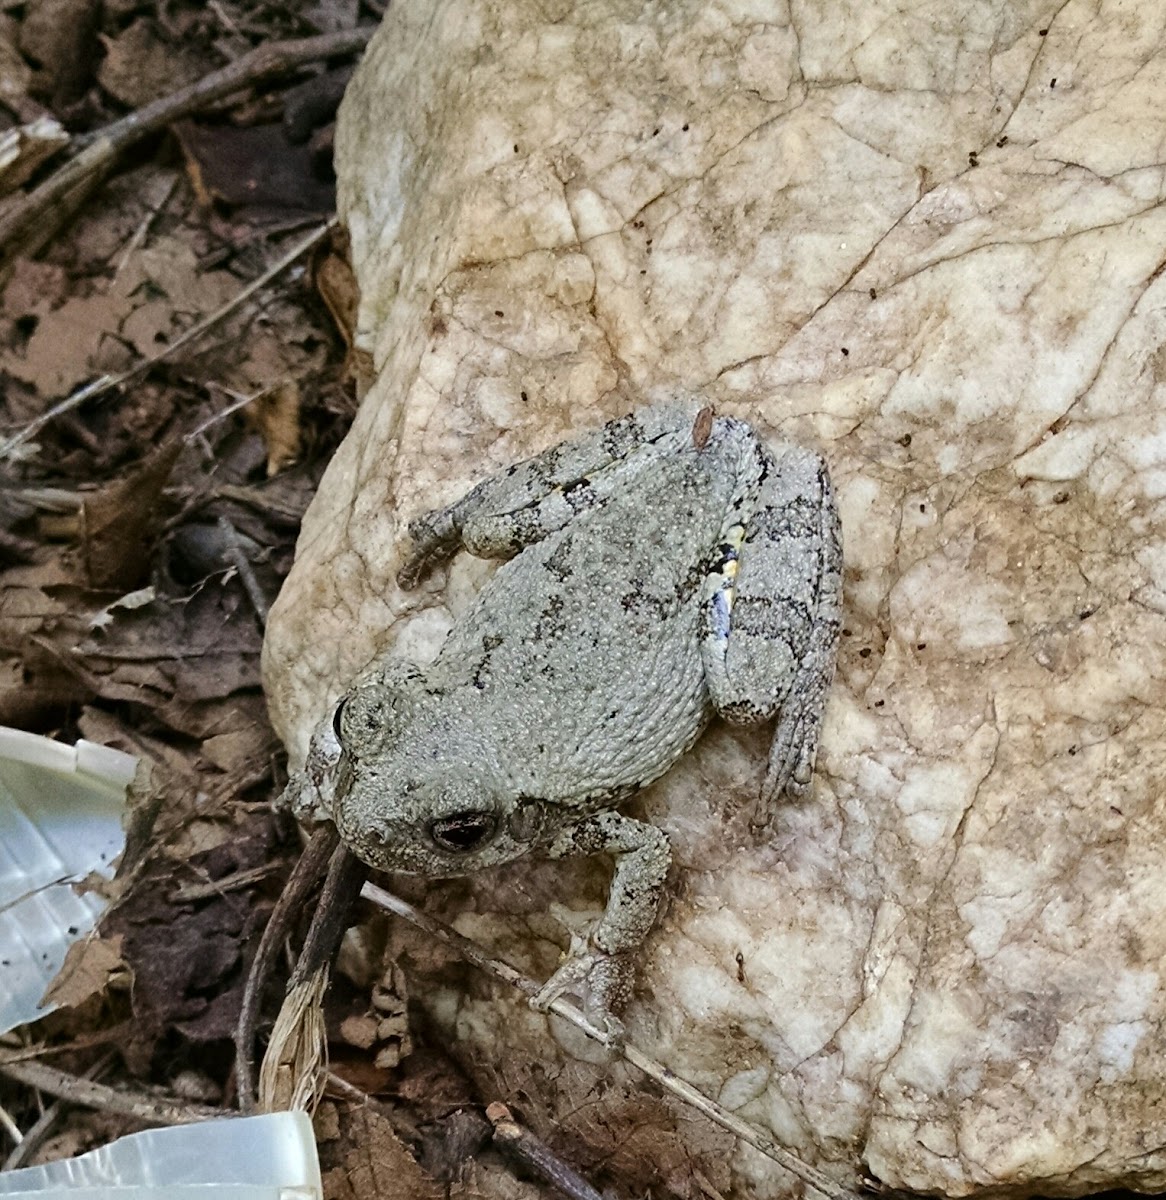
{"x":463,"y":832}
{"x":336,"y":715}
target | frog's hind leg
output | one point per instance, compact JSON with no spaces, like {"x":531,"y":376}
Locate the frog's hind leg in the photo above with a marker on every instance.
{"x":534,"y":498}
{"x":773,"y":604}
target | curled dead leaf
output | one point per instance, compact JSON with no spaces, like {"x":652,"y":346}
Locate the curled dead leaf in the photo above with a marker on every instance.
{"x":119,"y":522}
{"x":275,"y":413}
{"x":90,"y":966}
{"x":336,"y":283}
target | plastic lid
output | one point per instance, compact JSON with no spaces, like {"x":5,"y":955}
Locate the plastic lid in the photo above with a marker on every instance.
{"x":271,"y":1157}
{"x":60,"y":819}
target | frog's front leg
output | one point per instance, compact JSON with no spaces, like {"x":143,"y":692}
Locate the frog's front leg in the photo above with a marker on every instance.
{"x":773,"y":605}
{"x":601,"y":965}
{"x":534,"y":498}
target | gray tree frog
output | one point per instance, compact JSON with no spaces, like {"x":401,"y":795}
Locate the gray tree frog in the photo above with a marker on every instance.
{"x":663,"y":569}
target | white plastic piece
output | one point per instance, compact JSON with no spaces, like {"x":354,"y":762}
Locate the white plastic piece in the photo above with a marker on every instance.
{"x":60,"y":819}
{"x":272,"y":1157}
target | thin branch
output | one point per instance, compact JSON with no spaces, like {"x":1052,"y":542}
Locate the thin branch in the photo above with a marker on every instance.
{"x":43,"y":1125}
{"x":239,"y":402}
{"x":103,"y":1037}
{"x":99,"y":153}
{"x":512,"y":1137}
{"x":305,"y":877}
{"x":108,"y":382}
{"x":242,"y":565}
{"x":292,"y":1073}
{"x":10,"y":1127}
{"x":153,"y":210}
{"x":221,"y":887}
{"x":669,"y":1081}
{"x":153,"y":1109}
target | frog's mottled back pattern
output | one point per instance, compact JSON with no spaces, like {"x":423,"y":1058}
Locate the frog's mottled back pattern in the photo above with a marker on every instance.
{"x":665,"y":568}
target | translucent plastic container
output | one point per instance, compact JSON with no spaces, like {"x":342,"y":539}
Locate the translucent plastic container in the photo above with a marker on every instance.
{"x":60,"y":819}
{"x":271,"y":1157}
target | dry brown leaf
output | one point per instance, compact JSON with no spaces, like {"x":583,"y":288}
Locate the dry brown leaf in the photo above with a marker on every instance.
{"x":275,"y":413}
{"x":337,"y":286}
{"x":377,"y":1164}
{"x":87,"y":970}
{"x":63,"y":348}
{"x":15,"y":73}
{"x":84,"y":1130}
{"x":312,"y":104}
{"x":35,"y":690}
{"x":158,"y":293}
{"x":24,"y":611}
{"x":336,"y":283}
{"x":198,"y":837}
{"x":33,"y":288}
{"x":273,"y":353}
{"x":187,"y":955}
{"x":120,"y":520}
{"x":434,"y":1083}
{"x":239,"y":749}
{"x":255,"y":167}
{"x":166,"y":779}
{"x":327,"y":16}
{"x":489,"y":1179}
{"x":171,"y":266}
{"x":168,"y":266}
{"x":139,"y":66}
{"x":643,"y":1139}
{"x":61,"y":35}
{"x":195,"y":663}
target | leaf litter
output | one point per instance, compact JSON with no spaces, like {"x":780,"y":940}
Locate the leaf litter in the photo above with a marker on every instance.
{"x":142,"y":534}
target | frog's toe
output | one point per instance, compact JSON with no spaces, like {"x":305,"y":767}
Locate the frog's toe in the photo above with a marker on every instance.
{"x":791,"y":758}
{"x":567,"y":978}
{"x":601,"y":980}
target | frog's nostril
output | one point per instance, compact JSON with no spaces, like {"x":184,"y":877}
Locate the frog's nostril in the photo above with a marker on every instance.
{"x":463,"y":832}
{"x":379,"y":833}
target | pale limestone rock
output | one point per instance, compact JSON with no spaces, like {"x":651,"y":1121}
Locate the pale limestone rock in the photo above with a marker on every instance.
{"x":881,"y":230}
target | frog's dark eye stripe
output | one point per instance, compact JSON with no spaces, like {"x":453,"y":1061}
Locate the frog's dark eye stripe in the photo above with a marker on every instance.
{"x":463,"y":832}
{"x":336,"y":715}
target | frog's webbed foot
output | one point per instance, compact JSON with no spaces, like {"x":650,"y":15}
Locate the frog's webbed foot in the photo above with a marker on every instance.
{"x":601,"y":980}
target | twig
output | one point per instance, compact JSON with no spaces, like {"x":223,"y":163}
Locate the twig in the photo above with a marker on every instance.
{"x":153,"y":209}
{"x":14,"y":1054}
{"x":536,"y":1154}
{"x":43,"y":1125}
{"x":306,"y":875}
{"x":108,"y":382}
{"x":291,"y":1076}
{"x":152,"y":1109}
{"x":649,"y":1066}
{"x":240,"y":401}
{"x":221,"y":887}
{"x":239,"y":561}
{"x":10,"y":1127}
{"x":98,"y":155}
{"x":404,"y":1126}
